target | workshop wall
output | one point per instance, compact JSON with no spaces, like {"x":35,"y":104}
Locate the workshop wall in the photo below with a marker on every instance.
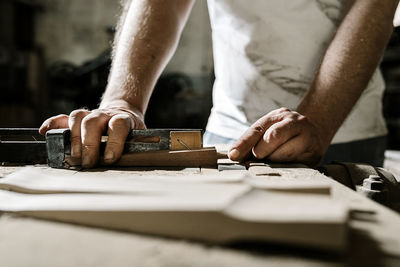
{"x":55,"y":57}
{"x":74,"y":33}
{"x":74,"y":30}
{"x":22,"y":65}
{"x":77,"y":31}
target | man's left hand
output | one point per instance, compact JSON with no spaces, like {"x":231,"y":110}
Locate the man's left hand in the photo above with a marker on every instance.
{"x":282,"y":136}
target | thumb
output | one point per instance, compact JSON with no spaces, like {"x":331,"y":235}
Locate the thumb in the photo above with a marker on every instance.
{"x":243,"y":146}
{"x":56,"y":122}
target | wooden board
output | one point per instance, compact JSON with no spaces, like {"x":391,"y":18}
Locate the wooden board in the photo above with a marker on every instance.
{"x":215,"y":211}
{"x":204,"y":157}
{"x":29,"y":242}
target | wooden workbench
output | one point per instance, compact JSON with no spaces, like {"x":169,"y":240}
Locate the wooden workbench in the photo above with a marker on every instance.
{"x":374,"y":241}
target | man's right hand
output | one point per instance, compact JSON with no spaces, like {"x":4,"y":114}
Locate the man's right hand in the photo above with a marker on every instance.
{"x":146,"y":39}
{"x":87,"y":128}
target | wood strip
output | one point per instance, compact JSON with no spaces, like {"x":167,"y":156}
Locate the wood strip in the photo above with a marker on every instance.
{"x":224,"y":160}
{"x":205,"y":157}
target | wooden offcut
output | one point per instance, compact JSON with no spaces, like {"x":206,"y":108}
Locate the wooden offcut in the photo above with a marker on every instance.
{"x":204,"y":157}
{"x":183,"y":140}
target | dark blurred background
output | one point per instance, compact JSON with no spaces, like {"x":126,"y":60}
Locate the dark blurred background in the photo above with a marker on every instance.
{"x":55,"y":57}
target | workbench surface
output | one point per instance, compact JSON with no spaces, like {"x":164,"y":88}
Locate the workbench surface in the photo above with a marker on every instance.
{"x":374,"y":240}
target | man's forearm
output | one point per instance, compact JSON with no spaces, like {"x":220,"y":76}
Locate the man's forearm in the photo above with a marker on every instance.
{"x":146,"y":39}
{"x":348,"y":64}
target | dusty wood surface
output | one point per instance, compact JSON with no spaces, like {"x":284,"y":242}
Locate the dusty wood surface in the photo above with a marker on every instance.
{"x":219,"y":208}
{"x":374,"y":238}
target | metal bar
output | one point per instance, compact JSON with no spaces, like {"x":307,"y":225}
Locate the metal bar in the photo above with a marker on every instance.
{"x":23,"y":152}
{"x":20,"y":134}
{"x":22,"y":145}
{"x":19,"y":131}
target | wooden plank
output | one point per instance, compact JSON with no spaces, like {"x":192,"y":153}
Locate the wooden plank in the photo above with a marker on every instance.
{"x":224,"y":160}
{"x":224,"y":163}
{"x":185,"y":140}
{"x":263,"y":170}
{"x":21,"y":234}
{"x":291,"y":180}
{"x":206,"y":171}
{"x":205,"y":157}
{"x":227,"y":210}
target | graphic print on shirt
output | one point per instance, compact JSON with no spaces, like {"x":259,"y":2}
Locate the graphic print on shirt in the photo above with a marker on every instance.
{"x":332,"y":9}
{"x":277,"y":74}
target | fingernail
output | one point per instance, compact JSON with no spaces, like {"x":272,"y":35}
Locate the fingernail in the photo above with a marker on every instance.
{"x":109,"y":155}
{"x":76,"y":151}
{"x":234,"y":154}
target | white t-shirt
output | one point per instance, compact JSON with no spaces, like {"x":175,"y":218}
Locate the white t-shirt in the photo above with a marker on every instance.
{"x":266,"y":53}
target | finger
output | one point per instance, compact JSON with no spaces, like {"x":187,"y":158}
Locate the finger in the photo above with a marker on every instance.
{"x":118,"y":129}
{"x":74,"y":123}
{"x":309,"y":158}
{"x":56,"y":122}
{"x":92,"y":127}
{"x":242,"y":147}
{"x":312,"y":154}
{"x":275,"y":136}
{"x":291,"y":150}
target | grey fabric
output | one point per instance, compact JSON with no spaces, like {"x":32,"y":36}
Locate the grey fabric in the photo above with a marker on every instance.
{"x":370,"y":151}
{"x":211,"y":139}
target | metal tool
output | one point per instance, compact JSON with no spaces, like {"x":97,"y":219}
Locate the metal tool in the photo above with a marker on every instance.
{"x":26,"y":145}
{"x":374,"y":188}
{"x":22,"y":145}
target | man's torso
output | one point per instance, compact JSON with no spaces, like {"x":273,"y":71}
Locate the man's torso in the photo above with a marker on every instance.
{"x":266,"y":54}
